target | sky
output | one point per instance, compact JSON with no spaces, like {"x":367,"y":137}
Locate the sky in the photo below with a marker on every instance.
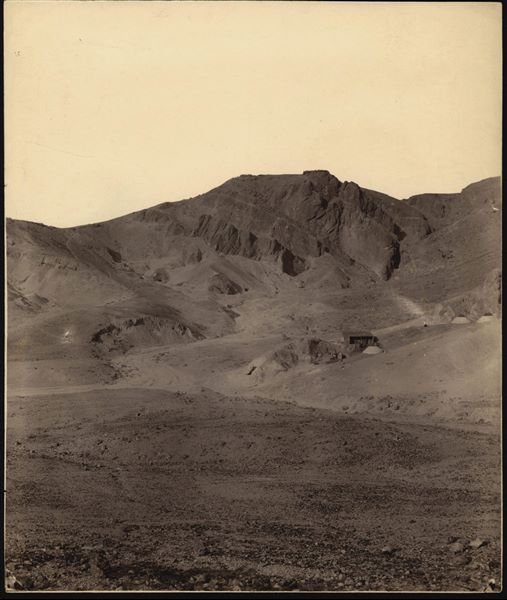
{"x":112,"y":107}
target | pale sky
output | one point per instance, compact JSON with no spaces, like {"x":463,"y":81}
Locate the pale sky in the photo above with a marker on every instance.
{"x":112,"y":107}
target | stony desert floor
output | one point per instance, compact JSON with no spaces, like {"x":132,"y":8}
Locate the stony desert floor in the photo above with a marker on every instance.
{"x":149,"y":489}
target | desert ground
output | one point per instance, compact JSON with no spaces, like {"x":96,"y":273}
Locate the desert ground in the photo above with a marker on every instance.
{"x":184,"y":411}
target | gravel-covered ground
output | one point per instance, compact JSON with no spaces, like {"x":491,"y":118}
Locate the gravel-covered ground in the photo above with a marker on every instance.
{"x":145,"y":489}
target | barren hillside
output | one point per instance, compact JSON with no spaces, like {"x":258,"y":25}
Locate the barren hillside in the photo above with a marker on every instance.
{"x":189,"y":407}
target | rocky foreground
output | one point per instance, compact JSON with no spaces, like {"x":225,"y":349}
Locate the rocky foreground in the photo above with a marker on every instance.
{"x":144,"y":489}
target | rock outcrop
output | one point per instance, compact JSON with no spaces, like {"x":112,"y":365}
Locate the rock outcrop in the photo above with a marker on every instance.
{"x":291,"y":218}
{"x":253,"y":234}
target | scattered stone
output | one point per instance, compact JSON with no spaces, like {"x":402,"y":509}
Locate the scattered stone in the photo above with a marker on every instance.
{"x":459,"y":560}
{"x":11,"y":583}
{"x":236,"y":585}
{"x":456,"y":548}
{"x":24,"y":582}
{"x":477,"y":543}
{"x":389,"y":549}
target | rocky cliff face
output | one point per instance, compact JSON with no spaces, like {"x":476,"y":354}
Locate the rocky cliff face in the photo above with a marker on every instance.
{"x":292,"y":218}
{"x":443,"y":209}
{"x":168,"y":274}
{"x":288,"y":221}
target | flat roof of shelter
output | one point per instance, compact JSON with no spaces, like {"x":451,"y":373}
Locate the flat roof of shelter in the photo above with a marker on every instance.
{"x":358,"y":333}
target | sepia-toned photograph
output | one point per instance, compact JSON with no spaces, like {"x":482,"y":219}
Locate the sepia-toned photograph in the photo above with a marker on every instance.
{"x":253,"y":296}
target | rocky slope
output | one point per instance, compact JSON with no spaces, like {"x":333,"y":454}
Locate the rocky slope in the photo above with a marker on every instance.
{"x":172,"y":267}
{"x":184,"y":412}
{"x":286,"y":218}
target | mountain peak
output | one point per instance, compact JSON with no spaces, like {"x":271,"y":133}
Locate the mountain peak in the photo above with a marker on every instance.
{"x":324,"y":172}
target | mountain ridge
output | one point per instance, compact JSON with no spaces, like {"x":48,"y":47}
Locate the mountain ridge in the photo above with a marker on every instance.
{"x":291,"y":219}
{"x":494,"y":179}
{"x":251,"y":253}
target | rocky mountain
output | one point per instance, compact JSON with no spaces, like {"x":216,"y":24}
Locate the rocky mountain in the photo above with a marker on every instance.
{"x":187,"y":411}
{"x":167,"y":274}
{"x":286,"y":218}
